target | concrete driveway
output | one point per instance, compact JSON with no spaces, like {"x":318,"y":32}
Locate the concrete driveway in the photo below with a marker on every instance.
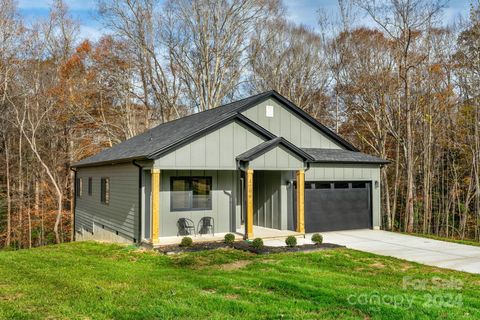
{"x":422,"y":250}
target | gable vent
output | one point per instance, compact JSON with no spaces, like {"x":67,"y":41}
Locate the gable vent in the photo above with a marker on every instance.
{"x":269,"y":111}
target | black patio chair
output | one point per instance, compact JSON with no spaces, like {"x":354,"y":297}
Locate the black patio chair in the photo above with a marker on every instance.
{"x":185,"y":227}
{"x":206,"y":225}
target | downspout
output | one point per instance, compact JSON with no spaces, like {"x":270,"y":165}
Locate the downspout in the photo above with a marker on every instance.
{"x":74,"y":201}
{"x":140,"y":171}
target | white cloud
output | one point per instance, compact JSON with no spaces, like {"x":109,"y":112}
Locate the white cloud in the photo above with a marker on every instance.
{"x":45,"y":4}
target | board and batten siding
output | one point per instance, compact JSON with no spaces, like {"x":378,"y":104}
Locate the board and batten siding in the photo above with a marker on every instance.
{"x":215,"y":150}
{"x":267,"y":199}
{"x":290,"y":126}
{"x":350,"y":172}
{"x":121,"y":214}
{"x":277,"y":159}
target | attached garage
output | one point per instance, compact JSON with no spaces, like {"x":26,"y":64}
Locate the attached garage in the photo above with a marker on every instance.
{"x":342,"y":191}
{"x":337,"y":205}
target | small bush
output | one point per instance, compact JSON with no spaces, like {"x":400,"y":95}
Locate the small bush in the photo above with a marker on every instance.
{"x":257,"y":243}
{"x":291,"y":241}
{"x":317,"y":238}
{"x":186,"y":242}
{"x":229,"y":238}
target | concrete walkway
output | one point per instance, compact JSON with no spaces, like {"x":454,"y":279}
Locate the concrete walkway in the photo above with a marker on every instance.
{"x":422,"y":250}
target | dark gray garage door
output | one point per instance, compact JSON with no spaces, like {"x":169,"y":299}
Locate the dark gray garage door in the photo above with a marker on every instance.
{"x":331,"y":206}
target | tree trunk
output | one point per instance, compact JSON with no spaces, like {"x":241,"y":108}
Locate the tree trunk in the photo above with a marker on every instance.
{"x":20,"y":192}
{"x":387,"y":199}
{"x":9,"y":197}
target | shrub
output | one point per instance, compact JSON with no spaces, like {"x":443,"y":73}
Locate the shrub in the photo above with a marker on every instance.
{"x":291,"y":241}
{"x":186,"y":242}
{"x":257,"y":243}
{"x":317,"y":238}
{"x":51,"y":238}
{"x":229,"y":238}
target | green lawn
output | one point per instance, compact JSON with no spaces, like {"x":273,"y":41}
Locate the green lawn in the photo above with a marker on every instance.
{"x":434,"y":237}
{"x":97,"y":281}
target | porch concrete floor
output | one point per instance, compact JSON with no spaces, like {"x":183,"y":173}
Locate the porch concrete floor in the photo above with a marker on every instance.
{"x":268,"y":233}
{"x":258,"y":232}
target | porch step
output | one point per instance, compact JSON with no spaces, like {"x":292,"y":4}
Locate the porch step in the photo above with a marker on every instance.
{"x":282,"y":237}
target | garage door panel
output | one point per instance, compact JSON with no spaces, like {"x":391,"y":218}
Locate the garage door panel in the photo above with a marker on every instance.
{"x":337,"y":209}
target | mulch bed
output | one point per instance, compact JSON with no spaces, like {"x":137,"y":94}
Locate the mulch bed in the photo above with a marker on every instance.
{"x":244,"y":246}
{"x":195,"y":247}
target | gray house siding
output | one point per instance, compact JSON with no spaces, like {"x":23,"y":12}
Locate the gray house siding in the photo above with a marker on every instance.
{"x":277,"y":159}
{"x":350,"y":172}
{"x":215,"y":150}
{"x":121,"y":214}
{"x":287,"y":124}
{"x":267,"y":199}
{"x":225,"y":207}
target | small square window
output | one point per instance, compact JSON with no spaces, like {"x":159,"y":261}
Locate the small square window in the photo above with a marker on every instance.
{"x":359,"y":185}
{"x":322,"y":185}
{"x":341,"y":185}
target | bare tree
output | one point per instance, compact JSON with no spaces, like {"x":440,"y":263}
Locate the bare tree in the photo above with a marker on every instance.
{"x":366,"y":85}
{"x":403,"y":20}
{"x":137,"y":22}
{"x":468,"y":58}
{"x":208,"y":42}
{"x":291,"y":60}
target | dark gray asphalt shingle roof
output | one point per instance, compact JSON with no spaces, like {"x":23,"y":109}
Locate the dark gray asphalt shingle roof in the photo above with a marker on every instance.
{"x":166,"y":134}
{"x":342,"y":156}
{"x":159,"y":139}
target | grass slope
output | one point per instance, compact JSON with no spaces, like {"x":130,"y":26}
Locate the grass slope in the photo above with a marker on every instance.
{"x":98,"y":281}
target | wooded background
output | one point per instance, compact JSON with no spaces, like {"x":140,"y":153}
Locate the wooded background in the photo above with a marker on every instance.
{"x":405,"y":88}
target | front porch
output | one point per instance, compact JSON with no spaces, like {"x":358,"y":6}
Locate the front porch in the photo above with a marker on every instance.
{"x":262,"y":198}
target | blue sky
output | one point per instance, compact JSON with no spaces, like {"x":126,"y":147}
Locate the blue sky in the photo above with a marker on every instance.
{"x":300,"y":11}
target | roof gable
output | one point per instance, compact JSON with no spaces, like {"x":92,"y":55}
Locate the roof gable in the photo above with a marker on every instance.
{"x":167,"y":136}
{"x":292,"y":123}
{"x":266,"y":146}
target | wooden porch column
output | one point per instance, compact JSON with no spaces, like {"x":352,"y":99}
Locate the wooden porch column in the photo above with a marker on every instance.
{"x":301,"y":201}
{"x":155,"y":204}
{"x":249,"y":220}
